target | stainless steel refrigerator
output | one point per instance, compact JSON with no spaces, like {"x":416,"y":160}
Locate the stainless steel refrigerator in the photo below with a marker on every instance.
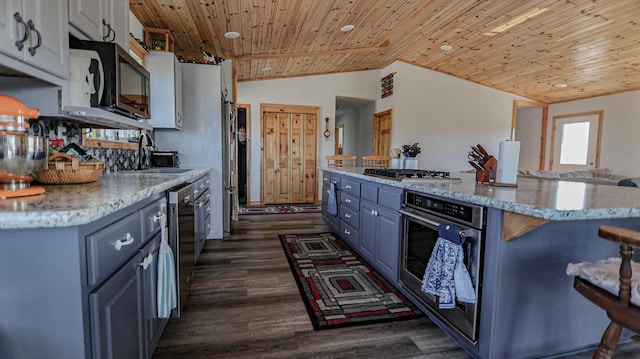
{"x":201,"y":141}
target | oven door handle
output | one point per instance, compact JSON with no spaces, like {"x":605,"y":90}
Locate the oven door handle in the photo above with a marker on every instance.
{"x":414,"y":216}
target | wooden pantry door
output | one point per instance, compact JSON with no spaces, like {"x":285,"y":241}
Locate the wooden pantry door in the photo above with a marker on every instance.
{"x":382,"y":133}
{"x":288,"y":154}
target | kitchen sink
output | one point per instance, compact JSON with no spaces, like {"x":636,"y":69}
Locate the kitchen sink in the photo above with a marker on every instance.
{"x":164,"y":170}
{"x":155,"y":172}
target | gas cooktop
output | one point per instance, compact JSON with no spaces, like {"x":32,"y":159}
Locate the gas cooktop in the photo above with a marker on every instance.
{"x":405,"y":173}
{"x":413,"y":176}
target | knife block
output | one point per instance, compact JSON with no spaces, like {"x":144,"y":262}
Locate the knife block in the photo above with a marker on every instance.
{"x":488,"y":175}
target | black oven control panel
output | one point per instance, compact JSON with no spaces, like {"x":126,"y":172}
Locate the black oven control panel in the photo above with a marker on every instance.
{"x":463,"y":212}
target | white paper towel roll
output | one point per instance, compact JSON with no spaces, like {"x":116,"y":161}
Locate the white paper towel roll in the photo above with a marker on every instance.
{"x":508,"y":156}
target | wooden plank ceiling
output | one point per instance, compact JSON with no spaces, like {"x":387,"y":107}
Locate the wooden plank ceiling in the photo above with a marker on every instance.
{"x":522,"y":47}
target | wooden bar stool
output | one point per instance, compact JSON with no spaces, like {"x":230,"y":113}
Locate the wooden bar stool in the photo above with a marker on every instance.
{"x":339,"y":161}
{"x":620,"y":310}
{"x":376,"y":161}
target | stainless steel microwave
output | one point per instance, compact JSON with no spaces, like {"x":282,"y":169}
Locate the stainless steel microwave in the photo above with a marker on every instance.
{"x":124,"y":82}
{"x":165,"y":159}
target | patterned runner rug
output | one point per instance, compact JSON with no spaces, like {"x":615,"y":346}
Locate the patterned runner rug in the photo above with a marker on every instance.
{"x":280,"y":209}
{"x":338,"y":287}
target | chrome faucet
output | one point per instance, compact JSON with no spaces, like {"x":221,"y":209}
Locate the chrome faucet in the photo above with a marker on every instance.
{"x":143,"y":151}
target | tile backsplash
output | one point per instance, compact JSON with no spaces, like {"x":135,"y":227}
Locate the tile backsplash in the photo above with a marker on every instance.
{"x":115,"y":159}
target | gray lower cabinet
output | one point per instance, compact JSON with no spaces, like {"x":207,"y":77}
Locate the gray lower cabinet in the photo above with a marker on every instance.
{"x":388,"y":244}
{"x":368,"y":220}
{"x":381,"y":227}
{"x":116,"y":321}
{"x":369,"y":232}
{"x":87,"y":291}
{"x":124,"y":320}
{"x":380,"y":238}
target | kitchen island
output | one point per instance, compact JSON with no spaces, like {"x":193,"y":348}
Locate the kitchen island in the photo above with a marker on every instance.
{"x":78,"y":267}
{"x":527,"y":305}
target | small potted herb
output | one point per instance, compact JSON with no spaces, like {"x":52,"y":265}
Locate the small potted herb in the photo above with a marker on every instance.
{"x":411,"y":150}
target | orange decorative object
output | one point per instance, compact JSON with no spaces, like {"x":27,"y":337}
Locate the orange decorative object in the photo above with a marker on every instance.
{"x":29,"y":191}
{"x":10,"y":106}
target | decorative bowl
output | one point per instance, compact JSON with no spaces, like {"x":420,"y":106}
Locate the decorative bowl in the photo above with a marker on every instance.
{"x":22,"y":158}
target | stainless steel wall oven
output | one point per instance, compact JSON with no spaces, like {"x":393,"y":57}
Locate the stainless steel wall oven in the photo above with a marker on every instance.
{"x":422,"y":214}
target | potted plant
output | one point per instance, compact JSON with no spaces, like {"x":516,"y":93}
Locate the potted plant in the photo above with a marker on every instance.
{"x":410,"y":152}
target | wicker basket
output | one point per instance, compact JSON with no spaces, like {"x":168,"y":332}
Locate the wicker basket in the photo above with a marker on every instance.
{"x":66,"y":169}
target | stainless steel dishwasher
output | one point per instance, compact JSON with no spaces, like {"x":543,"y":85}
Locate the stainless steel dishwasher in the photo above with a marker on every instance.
{"x":182,"y":239}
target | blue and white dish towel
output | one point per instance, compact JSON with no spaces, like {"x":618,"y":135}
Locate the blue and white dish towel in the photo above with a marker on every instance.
{"x":446,"y":275}
{"x":332,"y":202}
{"x":167,"y":293}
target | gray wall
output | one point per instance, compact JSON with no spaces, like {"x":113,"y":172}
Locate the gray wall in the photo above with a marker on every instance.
{"x":358,"y":129}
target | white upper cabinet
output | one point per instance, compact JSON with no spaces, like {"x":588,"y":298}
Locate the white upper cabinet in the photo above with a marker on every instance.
{"x":166,"y":89}
{"x":35,"y":32}
{"x":101,"y":20}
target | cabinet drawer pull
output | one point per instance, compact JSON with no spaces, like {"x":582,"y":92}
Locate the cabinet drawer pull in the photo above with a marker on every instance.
{"x":127,"y":240}
{"x":347,"y":200}
{"x":347,"y":232}
{"x":208,"y":208}
{"x":347,"y":215}
{"x":158,"y":217}
{"x":325,"y":180}
{"x":146,"y":262}
{"x":20,"y":43}
{"x":32,"y":49}
{"x":347,"y":186}
{"x":195,"y":193}
{"x":186,"y":199}
{"x":200,"y":204}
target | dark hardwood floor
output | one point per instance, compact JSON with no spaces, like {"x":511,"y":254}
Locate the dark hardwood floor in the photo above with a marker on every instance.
{"x":244,"y":303}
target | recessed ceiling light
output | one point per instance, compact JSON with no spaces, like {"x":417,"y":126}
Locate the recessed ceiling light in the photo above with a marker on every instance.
{"x":560,"y":85}
{"x":347,"y":28}
{"x":231,"y":35}
{"x":266,"y":68}
{"x":446,"y":47}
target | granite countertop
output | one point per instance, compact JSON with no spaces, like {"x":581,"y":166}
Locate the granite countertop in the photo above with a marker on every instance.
{"x":547,"y":199}
{"x":77,"y":204}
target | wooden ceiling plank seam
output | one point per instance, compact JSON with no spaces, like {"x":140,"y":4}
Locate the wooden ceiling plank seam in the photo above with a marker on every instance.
{"x":270,"y":7}
{"x":417,"y":13}
{"x":188,"y":26}
{"x":304,"y":22}
{"x":277,"y":21}
{"x":288,"y":17}
{"x":156,"y":16}
{"x":247,"y":29}
{"x":316,"y":26}
{"x":208,"y":40}
{"x":147,"y":15}
{"x":233,"y":22}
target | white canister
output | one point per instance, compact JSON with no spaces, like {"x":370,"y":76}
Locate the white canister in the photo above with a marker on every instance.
{"x":396,"y":163}
{"x":411,"y":163}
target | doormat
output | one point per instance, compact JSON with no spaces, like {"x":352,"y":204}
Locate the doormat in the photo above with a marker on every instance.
{"x":280,"y":209}
{"x":338,"y":287}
